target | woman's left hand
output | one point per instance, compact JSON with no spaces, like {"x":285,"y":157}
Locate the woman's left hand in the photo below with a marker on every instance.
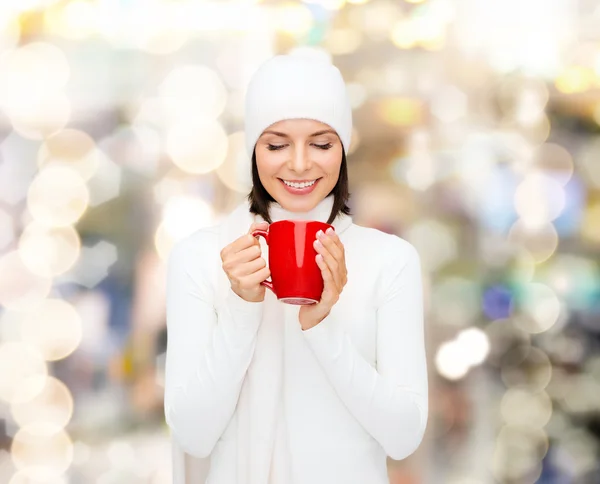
{"x":332,"y":262}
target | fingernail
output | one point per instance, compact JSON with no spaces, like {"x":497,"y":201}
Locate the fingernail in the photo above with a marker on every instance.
{"x":330,"y":231}
{"x":318,"y":244}
{"x":320,"y":234}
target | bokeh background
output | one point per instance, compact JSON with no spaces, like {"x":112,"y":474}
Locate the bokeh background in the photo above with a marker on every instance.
{"x":477,"y":138}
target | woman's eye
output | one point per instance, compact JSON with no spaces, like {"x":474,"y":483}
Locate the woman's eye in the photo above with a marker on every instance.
{"x":324,"y":147}
{"x":271,"y":147}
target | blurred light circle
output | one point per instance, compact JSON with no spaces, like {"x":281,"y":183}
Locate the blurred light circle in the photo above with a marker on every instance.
{"x":235,"y":172}
{"x":41,"y":117}
{"x":506,"y":341}
{"x":524,"y":408}
{"x":292,"y":18}
{"x":198,"y":147}
{"x":328,"y":4}
{"x":163,"y":40}
{"x":183,"y":215}
{"x":401,"y":112}
{"x":523,"y":98}
{"x":343,"y":41}
{"x":167,"y":187}
{"x":522,"y":268}
{"x":474,"y":344}
{"x":497,"y":302}
{"x":555,"y":161}
{"x":455,"y":301}
{"x":404,"y":34}
{"x":54,"y":327}
{"x":57,"y":197}
{"x":235,"y":107}
{"x":136,"y":147}
{"x":581,"y":395}
{"x":37,"y":67}
{"x":575,"y":79}
{"x":20,"y":288}
{"x":192,"y":90}
{"x":311,"y":52}
{"x":539,"y":199}
{"x":49,"y":251}
{"x":81,"y":453}
{"x":527,"y":368}
{"x":42,"y":451}
{"x":434,"y":241}
{"x":589,"y":160}
{"x":7,"y":230}
{"x":20,"y":363}
{"x":71,"y":148}
{"x":52,"y":404}
{"x":450,"y":361}
{"x":77,"y":20}
{"x":540,"y":242}
{"x":357,"y":94}
{"x":518,"y":453}
{"x":542,"y":306}
{"x":449,"y":104}
{"x":24,"y":477}
{"x":10,"y":32}
{"x":121,"y":455}
{"x":574,"y":278}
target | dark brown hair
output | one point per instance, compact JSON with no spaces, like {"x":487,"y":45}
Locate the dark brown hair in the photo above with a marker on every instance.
{"x":260,"y":199}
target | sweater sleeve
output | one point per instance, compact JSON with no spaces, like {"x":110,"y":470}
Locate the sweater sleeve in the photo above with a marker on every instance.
{"x":390,"y":401}
{"x":206,"y":359}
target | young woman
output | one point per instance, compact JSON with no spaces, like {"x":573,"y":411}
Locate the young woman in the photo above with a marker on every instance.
{"x":261,"y":392}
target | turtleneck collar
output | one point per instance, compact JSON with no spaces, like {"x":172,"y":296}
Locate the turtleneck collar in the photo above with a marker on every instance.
{"x":320,"y":212}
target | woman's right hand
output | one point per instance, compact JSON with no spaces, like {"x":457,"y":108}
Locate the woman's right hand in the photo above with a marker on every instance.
{"x":245,"y":267}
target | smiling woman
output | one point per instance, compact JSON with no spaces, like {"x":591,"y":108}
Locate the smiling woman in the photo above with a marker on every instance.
{"x":280,"y":394}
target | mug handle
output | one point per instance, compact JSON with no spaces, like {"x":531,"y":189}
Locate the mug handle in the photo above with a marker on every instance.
{"x":265,"y":235}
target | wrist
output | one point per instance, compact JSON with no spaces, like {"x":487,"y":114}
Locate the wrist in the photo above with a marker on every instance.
{"x":308,"y":323}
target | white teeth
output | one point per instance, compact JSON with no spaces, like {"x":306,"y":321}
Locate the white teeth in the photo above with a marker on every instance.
{"x":299,"y":185}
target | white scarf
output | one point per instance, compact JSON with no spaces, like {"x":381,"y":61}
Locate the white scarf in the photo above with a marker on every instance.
{"x":258,"y":404}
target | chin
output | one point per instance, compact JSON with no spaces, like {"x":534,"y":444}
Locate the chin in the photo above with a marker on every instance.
{"x":300,"y":204}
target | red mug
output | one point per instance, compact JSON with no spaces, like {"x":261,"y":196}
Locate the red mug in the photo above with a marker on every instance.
{"x":295,"y":275}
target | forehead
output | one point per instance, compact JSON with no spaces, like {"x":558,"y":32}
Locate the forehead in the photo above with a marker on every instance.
{"x":298,"y":127}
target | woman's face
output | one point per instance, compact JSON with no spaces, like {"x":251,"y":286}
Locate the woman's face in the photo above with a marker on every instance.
{"x":304,"y":153}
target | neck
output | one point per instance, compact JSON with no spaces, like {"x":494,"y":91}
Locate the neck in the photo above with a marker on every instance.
{"x":320,"y":212}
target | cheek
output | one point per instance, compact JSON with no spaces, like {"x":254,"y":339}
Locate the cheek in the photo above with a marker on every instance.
{"x":267,"y":164}
{"x":331,"y":163}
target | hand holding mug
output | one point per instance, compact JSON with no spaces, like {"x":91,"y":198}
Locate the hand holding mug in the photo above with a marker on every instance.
{"x":245,"y":267}
{"x":332,"y":262}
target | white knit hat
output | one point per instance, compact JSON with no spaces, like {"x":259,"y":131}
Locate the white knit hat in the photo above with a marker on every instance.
{"x":295,"y":86}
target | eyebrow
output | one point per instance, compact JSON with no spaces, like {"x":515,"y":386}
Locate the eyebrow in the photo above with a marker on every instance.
{"x":283,"y":135}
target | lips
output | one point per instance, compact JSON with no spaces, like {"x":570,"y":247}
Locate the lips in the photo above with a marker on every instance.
{"x":300,"y":191}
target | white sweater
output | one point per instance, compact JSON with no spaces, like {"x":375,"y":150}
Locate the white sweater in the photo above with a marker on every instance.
{"x":354,"y":386}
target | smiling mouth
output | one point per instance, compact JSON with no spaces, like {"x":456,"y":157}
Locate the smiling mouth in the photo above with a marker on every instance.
{"x":300,"y":184}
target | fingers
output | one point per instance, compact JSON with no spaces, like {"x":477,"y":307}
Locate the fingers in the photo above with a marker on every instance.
{"x":250,"y":267}
{"x":330,"y":291}
{"x":243,"y":242}
{"x":334,"y":258}
{"x":257,"y":277}
{"x":334,"y":244}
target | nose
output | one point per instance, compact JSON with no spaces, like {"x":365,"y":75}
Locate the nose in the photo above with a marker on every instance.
{"x":300,"y":161}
